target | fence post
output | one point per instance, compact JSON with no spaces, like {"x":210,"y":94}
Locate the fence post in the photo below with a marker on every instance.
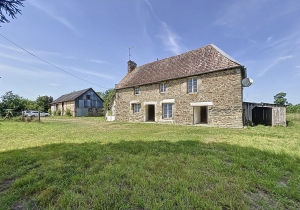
{"x":39,"y":117}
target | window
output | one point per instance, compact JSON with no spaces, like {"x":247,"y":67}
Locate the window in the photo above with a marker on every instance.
{"x":163,"y":87}
{"x":88,"y":97}
{"x":167,"y":111}
{"x":192,"y":85}
{"x":136,"y":90}
{"x":136,"y":108}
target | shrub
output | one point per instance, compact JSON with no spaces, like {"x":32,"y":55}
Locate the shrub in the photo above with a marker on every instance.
{"x":68,"y":112}
{"x":58,"y":112}
{"x":50,"y":111}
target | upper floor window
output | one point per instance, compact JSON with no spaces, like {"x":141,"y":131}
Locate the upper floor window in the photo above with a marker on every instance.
{"x":163,"y":87}
{"x":192,"y":85}
{"x":136,"y":108}
{"x":88,"y":97}
{"x":136,"y":90}
{"x":167,"y":111}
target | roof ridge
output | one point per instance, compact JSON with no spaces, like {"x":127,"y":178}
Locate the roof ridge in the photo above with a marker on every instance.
{"x":173,"y":56}
{"x":198,"y":61}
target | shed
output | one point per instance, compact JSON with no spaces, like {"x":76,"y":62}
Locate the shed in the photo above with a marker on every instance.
{"x":81,"y":103}
{"x":264,"y":113}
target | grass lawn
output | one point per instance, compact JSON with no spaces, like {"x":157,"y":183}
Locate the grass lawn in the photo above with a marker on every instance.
{"x":87,"y":163}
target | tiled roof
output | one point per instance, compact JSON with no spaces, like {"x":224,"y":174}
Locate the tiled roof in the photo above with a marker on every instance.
{"x":70,"y":97}
{"x":202,"y":60}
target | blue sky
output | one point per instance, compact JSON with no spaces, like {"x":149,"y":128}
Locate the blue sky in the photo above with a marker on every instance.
{"x":90,"y":39}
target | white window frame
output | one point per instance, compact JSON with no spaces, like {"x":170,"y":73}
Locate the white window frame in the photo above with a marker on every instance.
{"x":167,"y":111}
{"x":163,"y":88}
{"x":136,"y":90}
{"x":192,"y":85}
{"x":136,"y":108}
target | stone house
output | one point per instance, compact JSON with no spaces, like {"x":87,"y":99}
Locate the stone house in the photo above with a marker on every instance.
{"x":199,"y":87}
{"x":81,"y":103}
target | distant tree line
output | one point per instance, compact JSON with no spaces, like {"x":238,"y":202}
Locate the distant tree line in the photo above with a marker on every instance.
{"x":280,"y":98}
{"x":13,"y":101}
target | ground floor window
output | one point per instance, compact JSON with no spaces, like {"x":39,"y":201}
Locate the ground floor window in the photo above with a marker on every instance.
{"x":136,"y":108}
{"x":167,"y":111}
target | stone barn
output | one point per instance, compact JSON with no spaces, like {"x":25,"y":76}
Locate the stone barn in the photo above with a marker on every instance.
{"x":81,"y":103}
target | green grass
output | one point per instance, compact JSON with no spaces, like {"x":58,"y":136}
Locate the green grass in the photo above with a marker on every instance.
{"x":87,"y":163}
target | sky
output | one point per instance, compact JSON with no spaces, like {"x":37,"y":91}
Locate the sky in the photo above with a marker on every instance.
{"x":74,"y":45}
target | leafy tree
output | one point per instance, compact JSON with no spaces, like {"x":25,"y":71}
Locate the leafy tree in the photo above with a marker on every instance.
{"x":11,"y":8}
{"x":43,"y":103}
{"x":12,"y":101}
{"x":108,"y":97}
{"x":279,"y":98}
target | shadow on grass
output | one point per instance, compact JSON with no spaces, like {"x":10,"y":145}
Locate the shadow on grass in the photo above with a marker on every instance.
{"x":148,"y":175}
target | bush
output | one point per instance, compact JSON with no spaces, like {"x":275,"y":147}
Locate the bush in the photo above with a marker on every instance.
{"x":68,"y":112}
{"x":50,"y":111}
{"x":58,"y":112}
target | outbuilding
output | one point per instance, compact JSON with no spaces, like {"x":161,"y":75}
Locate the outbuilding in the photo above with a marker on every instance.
{"x":81,"y":103}
{"x":264,"y":113}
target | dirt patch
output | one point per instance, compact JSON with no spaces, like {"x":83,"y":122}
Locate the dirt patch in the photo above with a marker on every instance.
{"x":18,"y":206}
{"x":261,"y":200}
{"x":5,"y":185}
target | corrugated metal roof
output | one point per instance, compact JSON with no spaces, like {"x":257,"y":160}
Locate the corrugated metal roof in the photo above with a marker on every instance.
{"x":71,"y":96}
{"x":202,"y":60}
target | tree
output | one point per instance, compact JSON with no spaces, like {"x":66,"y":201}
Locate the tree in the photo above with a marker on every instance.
{"x":43,"y":103}
{"x":12,"y":101}
{"x":11,"y":8}
{"x":108,"y":97}
{"x":279,"y":98}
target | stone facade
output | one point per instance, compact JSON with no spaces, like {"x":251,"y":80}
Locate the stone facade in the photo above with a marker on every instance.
{"x":219,"y":92}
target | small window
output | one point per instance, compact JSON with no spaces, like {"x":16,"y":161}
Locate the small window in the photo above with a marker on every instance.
{"x":136,"y":108}
{"x":192,"y":85}
{"x":163,"y":87}
{"x":136,"y":91}
{"x":88,"y":97}
{"x":167,"y":111}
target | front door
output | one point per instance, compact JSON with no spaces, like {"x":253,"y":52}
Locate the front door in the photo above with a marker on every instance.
{"x":203,"y":115}
{"x":151,"y":112}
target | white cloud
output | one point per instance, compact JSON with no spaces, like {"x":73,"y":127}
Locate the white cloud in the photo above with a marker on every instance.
{"x":253,"y":41}
{"x":30,"y":72}
{"x":269,"y":38}
{"x":11,"y":48}
{"x":50,"y":11}
{"x":285,"y":57}
{"x":22,"y":59}
{"x":97,"y":61}
{"x":89,"y":72}
{"x":170,"y":39}
{"x":298,"y":67}
{"x":53,"y":84}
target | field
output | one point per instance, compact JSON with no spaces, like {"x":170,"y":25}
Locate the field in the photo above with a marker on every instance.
{"x":87,"y":163}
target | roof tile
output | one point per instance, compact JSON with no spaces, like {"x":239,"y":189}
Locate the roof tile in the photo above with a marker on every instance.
{"x":202,"y":60}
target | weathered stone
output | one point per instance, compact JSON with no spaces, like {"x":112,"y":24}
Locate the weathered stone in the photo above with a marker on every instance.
{"x":222,"y":88}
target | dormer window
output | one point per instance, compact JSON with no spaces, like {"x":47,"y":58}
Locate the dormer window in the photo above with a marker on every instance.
{"x":163,"y":88}
{"x":136,"y":90}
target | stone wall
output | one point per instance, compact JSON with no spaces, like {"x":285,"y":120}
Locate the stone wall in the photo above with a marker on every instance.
{"x":221,"y":90}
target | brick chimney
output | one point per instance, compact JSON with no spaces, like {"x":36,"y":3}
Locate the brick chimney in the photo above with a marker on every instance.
{"x":131,"y":65}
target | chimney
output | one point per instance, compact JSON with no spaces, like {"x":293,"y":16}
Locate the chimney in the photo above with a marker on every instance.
{"x":131,"y":66}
